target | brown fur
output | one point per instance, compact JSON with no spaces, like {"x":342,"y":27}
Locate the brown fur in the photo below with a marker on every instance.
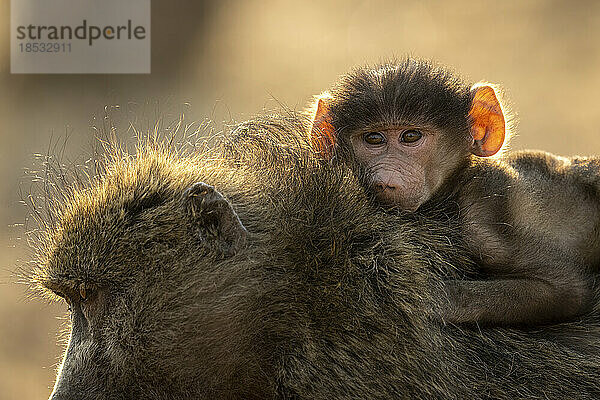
{"x":329,"y":298}
{"x":530,"y":220}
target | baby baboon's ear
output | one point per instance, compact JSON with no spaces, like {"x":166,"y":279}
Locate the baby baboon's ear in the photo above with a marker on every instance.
{"x":488,"y":127}
{"x":217,"y":221}
{"x":322,"y":132}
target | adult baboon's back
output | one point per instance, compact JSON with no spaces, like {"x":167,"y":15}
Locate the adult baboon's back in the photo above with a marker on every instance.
{"x":325,"y":298}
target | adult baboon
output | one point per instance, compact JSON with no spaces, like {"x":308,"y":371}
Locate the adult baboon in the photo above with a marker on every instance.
{"x":313,"y":293}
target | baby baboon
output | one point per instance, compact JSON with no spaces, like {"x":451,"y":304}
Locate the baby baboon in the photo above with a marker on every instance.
{"x":324,"y":297}
{"x":530,"y":219}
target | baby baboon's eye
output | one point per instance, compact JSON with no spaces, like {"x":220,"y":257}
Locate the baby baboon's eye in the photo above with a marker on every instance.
{"x":374,"y":138}
{"x":411,"y":136}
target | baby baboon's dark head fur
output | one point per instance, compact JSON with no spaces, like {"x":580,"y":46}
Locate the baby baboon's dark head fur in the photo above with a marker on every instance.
{"x":328,"y":298}
{"x":411,"y":90}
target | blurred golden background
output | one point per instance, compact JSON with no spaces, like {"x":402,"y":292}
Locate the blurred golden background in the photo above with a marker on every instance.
{"x":227,"y":60}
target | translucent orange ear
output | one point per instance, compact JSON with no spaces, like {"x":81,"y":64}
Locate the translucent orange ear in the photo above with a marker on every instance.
{"x":322,"y":133}
{"x":488,"y":127}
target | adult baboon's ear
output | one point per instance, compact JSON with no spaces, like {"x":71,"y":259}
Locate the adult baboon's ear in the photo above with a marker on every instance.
{"x":218,"y":223}
{"x":322,"y":133}
{"x":488,"y":126}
